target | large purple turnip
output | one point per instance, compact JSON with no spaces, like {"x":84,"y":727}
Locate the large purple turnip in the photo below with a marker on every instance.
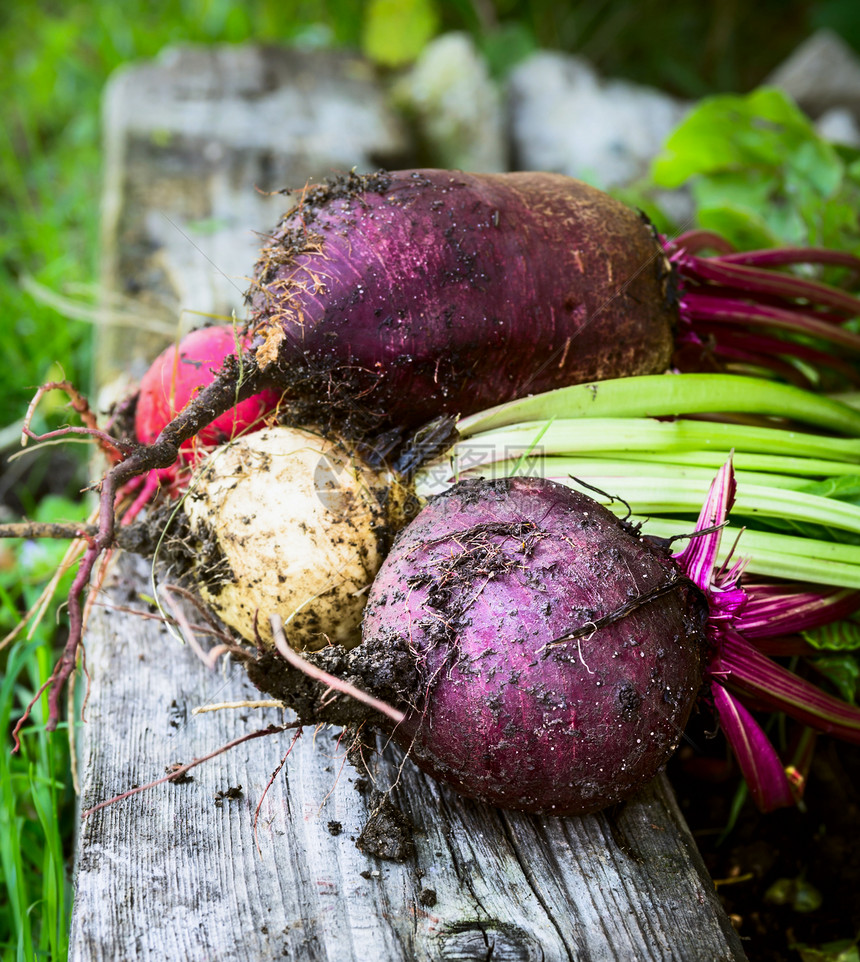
{"x":395,"y":297}
{"x":559,"y":654}
{"x":432,"y":291}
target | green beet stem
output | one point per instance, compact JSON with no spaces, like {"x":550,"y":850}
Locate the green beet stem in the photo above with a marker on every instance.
{"x":663,"y":395}
{"x":647,"y":495}
{"x":648,"y":435}
{"x":608,"y":436}
{"x":774,"y":555}
{"x":607,"y":469}
{"x":806,"y":468}
{"x":661,"y":489}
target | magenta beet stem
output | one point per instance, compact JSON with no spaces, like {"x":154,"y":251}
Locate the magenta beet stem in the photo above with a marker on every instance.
{"x":745,"y":670}
{"x":757,"y":280}
{"x":746,"y":345}
{"x":702,"y":306}
{"x":774,"y":610}
{"x":784,"y":256}
{"x":760,"y":765}
{"x":694,"y":241}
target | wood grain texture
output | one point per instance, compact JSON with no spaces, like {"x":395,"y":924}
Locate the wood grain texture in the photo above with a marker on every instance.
{"x":176,"y":872}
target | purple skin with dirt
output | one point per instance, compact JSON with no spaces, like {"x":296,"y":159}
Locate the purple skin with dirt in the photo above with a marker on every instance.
{"x":390,"y":299}
{"x":419,"y":293}
{"x":560,"y":653}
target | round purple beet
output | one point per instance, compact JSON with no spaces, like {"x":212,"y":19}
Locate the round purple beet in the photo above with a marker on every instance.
{"x":481,"y":585}
{"x":429,"y":292}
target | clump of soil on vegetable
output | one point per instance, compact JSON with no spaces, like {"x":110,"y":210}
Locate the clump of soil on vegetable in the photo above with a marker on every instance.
{"x":388,"y":671}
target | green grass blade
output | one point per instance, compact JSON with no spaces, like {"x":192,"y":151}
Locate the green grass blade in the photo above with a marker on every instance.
{"x":12,"y":835}
{"x":35,"y":807}
{"x":53,"y":935}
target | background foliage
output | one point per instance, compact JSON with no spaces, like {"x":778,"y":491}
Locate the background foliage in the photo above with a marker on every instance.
{"x":57,"y":57}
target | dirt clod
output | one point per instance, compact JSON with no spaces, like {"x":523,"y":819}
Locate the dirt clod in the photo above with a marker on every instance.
{"x":228,"y":794}
{"x":180,"y":778}
{"x":388,"y":833}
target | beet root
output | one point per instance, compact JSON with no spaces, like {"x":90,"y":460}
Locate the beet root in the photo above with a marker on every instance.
{"x":559,"y":653}
{"x":397,"y":297}
{"x":178,"y":374}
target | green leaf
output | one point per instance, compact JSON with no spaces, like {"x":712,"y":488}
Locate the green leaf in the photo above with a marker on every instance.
{"x":807,"y":529}
{"x":746,"y":229}
{"x":730,"y":132}
{"x":817,"y":164}
{"x":844,"y":488}
{"x":759,"y":158}
{"x":801,"y":895}
{"x":842,"y":671}
{"x":837,"y":636}
{"x":506,"y":46}
{"x":844,"y":950}
{"x":748,"y":189}
{"x":396,"y":31}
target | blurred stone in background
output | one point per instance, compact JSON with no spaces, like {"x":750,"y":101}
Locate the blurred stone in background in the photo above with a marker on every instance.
{"x":566,"y":118}
{"x":455,"y":105}
{"x":197,"y":146}
{"x":822,"y":74}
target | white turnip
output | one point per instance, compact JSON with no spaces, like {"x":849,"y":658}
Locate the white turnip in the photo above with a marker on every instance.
{"x":283,"y":521}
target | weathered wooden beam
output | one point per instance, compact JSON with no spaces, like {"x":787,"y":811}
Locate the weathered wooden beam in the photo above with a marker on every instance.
{"x":193,"y":870}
